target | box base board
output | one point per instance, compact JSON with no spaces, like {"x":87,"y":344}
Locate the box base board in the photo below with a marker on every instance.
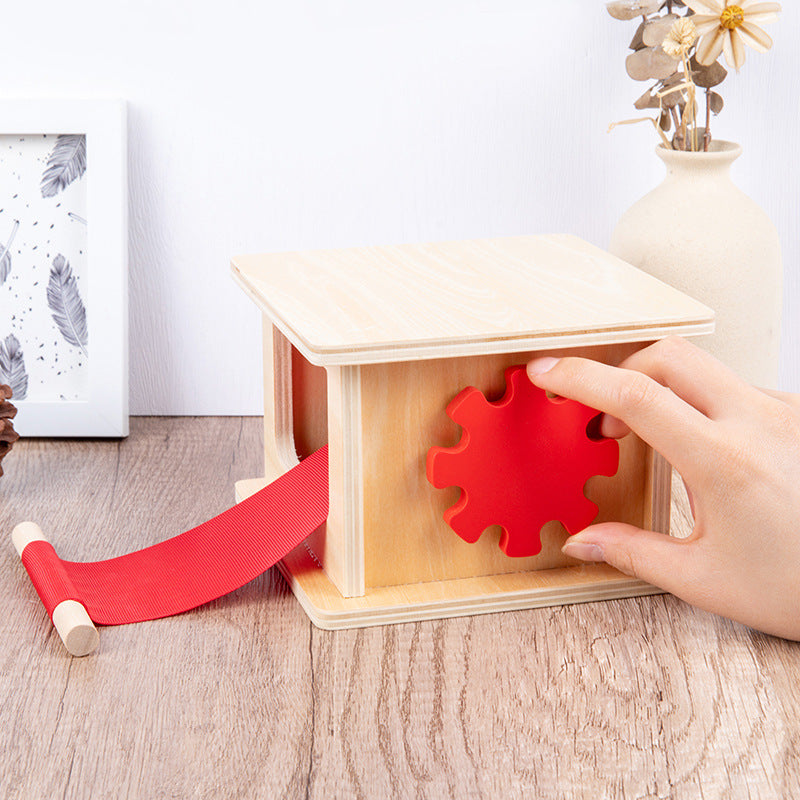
{"x":486,"y":594}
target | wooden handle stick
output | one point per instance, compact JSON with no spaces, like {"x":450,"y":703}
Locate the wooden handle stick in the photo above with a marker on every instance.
{"x":70,"y":617}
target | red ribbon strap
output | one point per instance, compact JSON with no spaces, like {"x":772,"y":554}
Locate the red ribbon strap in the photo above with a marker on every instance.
{"x":195,"y":567}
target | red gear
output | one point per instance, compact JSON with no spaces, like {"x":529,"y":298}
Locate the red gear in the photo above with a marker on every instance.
{"x":521,"y":462}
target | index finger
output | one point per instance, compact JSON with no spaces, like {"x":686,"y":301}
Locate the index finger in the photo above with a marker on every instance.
{"x":655,"y":413}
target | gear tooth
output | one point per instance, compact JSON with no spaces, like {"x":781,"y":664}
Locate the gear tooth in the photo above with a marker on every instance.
{"x":466,"y":404}
{"x":520,"y":389}
{"x":519,"y":544}
{"x":580,"y":515}
{"x":511,"y":376}
{"x":463,"y":518}
{"x":442,"y":464}
{"x":517,"y":378}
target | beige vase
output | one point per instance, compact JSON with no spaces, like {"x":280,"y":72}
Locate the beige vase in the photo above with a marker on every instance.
{"x":704,"y":236}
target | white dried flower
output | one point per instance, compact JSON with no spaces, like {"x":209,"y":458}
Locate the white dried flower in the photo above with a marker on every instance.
{"x":725,"y":26}
{"x":681,"y":37}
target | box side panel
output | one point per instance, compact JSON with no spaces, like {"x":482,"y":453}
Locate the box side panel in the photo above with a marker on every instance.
{"x":296,"y":423}
{"x":403,"y":415}
{"x":278,"y":449}
{"x":658,"y":494}
{"x":309,"y":405}
{"x":343,"y":557}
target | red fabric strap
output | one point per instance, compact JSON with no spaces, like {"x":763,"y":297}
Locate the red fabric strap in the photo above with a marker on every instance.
{"x":196,"y":567}
{"x":48,"y":575}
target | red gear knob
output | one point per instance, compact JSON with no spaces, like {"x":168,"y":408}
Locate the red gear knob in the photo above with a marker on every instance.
{"x":521,"y":462}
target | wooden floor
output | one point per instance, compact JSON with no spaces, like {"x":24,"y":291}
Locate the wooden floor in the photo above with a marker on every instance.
{"x":243,"y":698}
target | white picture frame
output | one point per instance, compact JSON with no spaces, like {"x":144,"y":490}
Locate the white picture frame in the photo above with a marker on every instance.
{"x":97,"y":403}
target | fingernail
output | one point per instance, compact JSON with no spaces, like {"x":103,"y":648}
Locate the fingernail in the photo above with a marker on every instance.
{"x":541,"y":365}
{"x":583,"y":550}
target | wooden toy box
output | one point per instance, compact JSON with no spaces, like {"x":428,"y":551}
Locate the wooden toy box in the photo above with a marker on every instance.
{"x":363,"y":350}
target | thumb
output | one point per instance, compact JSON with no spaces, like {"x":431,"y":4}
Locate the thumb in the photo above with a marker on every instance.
{"x":653,"y":557}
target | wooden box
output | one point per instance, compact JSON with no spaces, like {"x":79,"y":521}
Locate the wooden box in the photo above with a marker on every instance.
{"x":363,"y":350}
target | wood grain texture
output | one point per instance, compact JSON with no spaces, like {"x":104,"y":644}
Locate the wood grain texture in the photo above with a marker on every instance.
{"x":243,"y":698}
{"x":485,"y":594}
{"x":378,"y":304}
{"x":386,"y":526}
{"x":406,"y":539}
{"x":343,"y":555}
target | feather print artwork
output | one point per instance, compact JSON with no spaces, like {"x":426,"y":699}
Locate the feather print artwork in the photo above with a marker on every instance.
{"x":5,"y":254}
{"x":66,"y":163}
{"x":66,"y":305}
{"x":44,"y":267}
{"x":12,"y":367}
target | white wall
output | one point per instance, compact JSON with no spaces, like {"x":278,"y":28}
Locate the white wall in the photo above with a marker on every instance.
{"x":272,"y":125}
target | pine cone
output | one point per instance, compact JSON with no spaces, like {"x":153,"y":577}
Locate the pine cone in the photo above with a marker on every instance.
{"x":7,"y":433}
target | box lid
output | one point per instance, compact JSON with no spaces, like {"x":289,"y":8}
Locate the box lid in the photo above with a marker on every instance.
{"x":443,"y":299}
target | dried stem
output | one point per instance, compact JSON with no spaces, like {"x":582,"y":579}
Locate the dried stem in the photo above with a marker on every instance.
{"x":682,"y":112}
{"x":689,"y":112}
{"x":680,"y":126}
{"x":689,"y":122}
{"x":684,"y":127}
{"x":679,"y":138}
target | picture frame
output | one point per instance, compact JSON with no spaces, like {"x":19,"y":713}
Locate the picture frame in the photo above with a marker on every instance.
{"x":63,"y":265}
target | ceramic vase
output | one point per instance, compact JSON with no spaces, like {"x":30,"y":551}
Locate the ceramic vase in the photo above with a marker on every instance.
{"x":701,"y":234}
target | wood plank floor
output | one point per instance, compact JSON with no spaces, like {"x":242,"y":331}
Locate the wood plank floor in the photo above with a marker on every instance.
{"x":243,"y":698}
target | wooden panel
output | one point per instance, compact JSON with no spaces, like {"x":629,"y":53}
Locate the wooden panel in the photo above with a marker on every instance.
{"x":658,"y":493}
{"x":309,"y":405}
{"x":278,"y":447}
{"x":296,"y":424}
{"x":375,"y":304}
{"x":485,"y":594}
{"x":343,"y":552}
{"x":405,"y":537}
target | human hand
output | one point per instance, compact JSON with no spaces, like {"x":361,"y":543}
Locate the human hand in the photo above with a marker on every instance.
{"x":737,"y":449}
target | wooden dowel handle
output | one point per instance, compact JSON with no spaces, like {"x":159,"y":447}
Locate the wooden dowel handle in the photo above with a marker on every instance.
{"x":70,"y":618}
{"x":24,"y":534}
{"x":75,"y":628}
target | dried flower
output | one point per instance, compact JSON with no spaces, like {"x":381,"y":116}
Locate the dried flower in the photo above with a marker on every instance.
{"x":681,"y":37}
{"x":676,"y":46}
{"x":726,"y":27}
